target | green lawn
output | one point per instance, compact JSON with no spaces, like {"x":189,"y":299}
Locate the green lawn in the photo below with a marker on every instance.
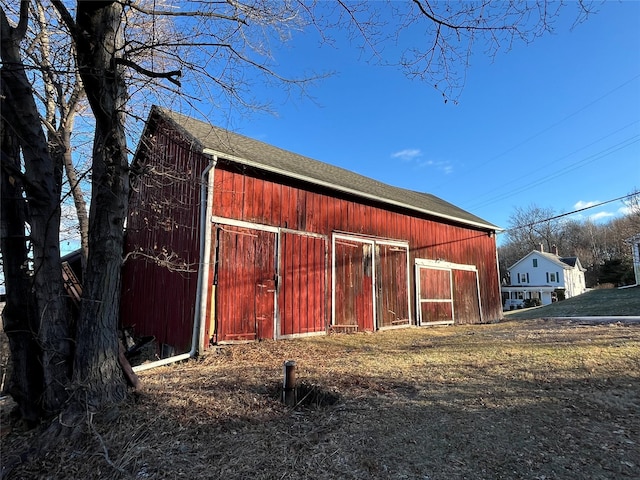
{"x":602,"y":302}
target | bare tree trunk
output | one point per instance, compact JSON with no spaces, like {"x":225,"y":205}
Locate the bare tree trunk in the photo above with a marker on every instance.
{"x":19,"y":316}
{"x":76,"y":192}
{"x":62,"y":107}
{"x":96,"y":365}
{"x":42,"y":184}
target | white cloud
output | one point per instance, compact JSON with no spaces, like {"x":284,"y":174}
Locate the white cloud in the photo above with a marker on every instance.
{"x":580,"y":204}
{"x":601,"y":215}
{"x":443,"y":166}
{"x":407,"y":154}
{"x":626,"y":210}
{"x":414,"y":155}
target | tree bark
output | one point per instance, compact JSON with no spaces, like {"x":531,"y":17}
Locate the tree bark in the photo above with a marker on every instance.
{"x":60,"y":104}
{"x":19,"y":316}
{"x":96,"y":367}
{"x":41,"y":183}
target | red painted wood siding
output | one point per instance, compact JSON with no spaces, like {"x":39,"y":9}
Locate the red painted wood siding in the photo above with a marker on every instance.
{"x":435,"y":295}
{"x":163,"y":224}
{"x":299,"y":206}
{"x":164,"y":221}
{"x":391,"y":286}
{"x":465,"y":297}
{"x":245,"y":273}
{"x":302,"y":296}
{"x":354,"y":284}
{"x":435,"y":284}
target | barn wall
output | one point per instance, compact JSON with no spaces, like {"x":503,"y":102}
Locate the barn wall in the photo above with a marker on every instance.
{"x":162,"y":242}
{"x":266,"y":199}
{"x":163,"y":231}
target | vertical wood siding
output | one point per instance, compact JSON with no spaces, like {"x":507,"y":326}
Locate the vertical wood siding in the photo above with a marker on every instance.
{"x":391,"y":286}
{"x":435,"y":296}
{"x":245,"y":273}
{"x":293,"y":205}
{"x":353,"y":287}
{"x":164,"y":220}
{"x":302,"y":293}
{"x":162,"y":242}
{"x":466,"y":302}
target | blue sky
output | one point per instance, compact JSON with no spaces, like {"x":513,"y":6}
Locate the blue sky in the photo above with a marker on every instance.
{"x":555,"y":123}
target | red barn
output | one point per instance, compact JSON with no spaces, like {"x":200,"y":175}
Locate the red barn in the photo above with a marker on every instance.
{"x":231,"y":239}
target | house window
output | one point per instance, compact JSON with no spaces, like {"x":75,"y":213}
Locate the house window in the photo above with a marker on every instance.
{"x":535,"y":262}
{"x":551,"y":277}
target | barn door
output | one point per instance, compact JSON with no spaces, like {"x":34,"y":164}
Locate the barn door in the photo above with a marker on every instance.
{"x":245,"y":276}
{"x":392,"y":285}
{"x":353,"y":284}
{"x":466,"y":297}
{"x":435,"y":295}
{"x":302,"y":298}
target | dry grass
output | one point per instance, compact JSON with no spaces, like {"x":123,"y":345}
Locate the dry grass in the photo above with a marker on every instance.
{"x":530,"y":399}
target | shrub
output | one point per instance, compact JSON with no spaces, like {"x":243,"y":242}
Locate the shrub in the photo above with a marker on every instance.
{"x":532,"y":302}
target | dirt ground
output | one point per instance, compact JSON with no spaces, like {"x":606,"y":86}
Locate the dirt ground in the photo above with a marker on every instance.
{"x":526,"y":399}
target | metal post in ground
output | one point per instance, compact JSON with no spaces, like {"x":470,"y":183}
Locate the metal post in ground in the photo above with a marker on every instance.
{"x":289,"y":392}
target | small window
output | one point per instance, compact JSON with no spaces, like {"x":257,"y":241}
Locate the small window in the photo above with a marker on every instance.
{"x":535,"y":262}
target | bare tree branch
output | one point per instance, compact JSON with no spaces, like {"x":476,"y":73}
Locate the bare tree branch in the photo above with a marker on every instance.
{"x":67,"y":18}
{"x":440,"y":21}
{"x":165,"y":259}
{"x":175,"y":13}
{"x":171,"y":76}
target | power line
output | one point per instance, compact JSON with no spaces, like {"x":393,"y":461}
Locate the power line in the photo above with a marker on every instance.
{"x":517,"y":190}
{"x":520,"y":227}
{"x":580,"y":163}
{"x":545,"y":130}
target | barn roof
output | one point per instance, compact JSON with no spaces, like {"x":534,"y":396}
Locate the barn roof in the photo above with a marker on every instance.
{"x":244,"y":150}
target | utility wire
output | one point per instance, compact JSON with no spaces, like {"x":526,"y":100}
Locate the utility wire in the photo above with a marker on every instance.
{"x":580,"y":163}
{"x":517,"y":190}
{"x":545,"y":130}
{"x":520,"y":227}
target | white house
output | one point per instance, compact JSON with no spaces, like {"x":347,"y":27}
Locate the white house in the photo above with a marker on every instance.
{"x":545,"y":276}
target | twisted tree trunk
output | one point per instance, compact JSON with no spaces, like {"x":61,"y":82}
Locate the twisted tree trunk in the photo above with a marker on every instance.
{"x":19,"y":315}
{"x":40,"y":183}
{"x":99,"y":42}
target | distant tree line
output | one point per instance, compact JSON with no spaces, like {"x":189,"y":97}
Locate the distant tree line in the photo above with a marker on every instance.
{"x":601,"y":246}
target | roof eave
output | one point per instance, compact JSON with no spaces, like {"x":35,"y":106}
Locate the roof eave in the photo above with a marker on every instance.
{"x":260,"y":166}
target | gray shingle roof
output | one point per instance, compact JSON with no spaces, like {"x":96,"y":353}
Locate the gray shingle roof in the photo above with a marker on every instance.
{"x":571,"y":261}
{"x":238,"y":148}
{"x":566,"y":263}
